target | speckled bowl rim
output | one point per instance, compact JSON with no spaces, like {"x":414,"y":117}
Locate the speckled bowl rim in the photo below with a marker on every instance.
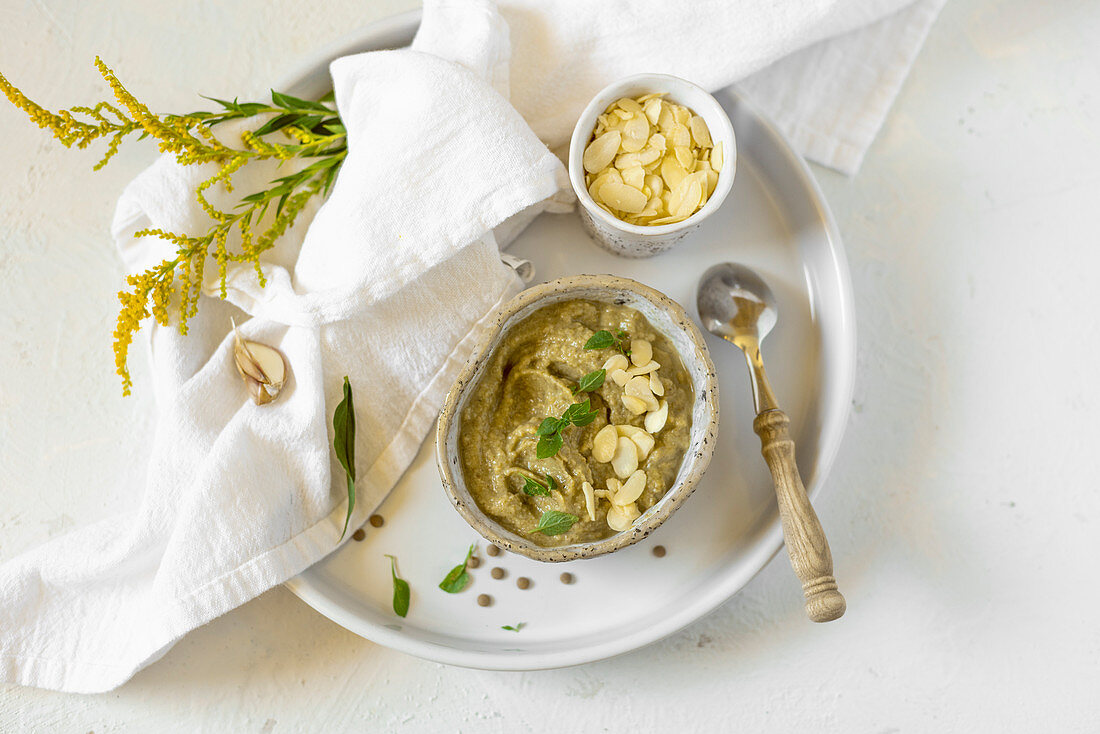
{"x":673,"y":498}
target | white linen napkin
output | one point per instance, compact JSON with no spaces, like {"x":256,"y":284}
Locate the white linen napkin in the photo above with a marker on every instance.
{"x":388,"y":282}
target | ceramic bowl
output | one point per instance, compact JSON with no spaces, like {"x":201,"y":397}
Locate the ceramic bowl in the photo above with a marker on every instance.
{"x":667,"y":317}
{"x":634,"y":240}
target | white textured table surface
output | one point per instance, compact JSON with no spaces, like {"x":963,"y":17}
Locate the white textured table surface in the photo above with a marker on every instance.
{"x":963,"y":511}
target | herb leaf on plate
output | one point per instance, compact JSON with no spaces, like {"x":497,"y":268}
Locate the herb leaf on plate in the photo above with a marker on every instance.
{"x":555,"y":522}
{"x":457,"y":578}
{"x":514,"y":628}
{"x":401,"y":591}
{"x":343,"y":425}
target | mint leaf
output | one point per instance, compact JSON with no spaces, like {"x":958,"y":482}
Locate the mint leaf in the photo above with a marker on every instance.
{"x":534,"y":489}
{"x":401,"y":591}
{"x":457,"y":578}
{"x":515,"y":628}
{"x":343,"y":425}
{"x":555,"y":522}
{"x":591,"y":381}
{"x":550,"y":426}
{"x":602,"y":339}
{"x":548,"y":446}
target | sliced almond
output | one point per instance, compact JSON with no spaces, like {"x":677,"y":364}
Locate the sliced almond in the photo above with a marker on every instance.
{"x":672,"y":172}
{"x":635,"y":134}
{"x":717,"y":158}
{"x":631,"y":490}
{"x":649,"y":156}
{"x":601,"y":151}
{"x":619,"y":377}
{"x":634,"y":177}
{"x":641,"y":352}
{"x":604,"y":444}
{"x":652,"y":111}
{"x":630,"y":105}
{"x":700,"y":133}
{"x":655,"y":420}
{"x":621,"y":518}
{"x":635,"y":405}
{"x":679,"y":136}
{"x":645,"y":443}
{"x":684,"y":157}
{"x":655,"y":183}
{"x":645,"y":369}
{"x":589,"y":499}
{"x":693,"y":196}
{"x":666,"y":119}
{"x":624,"y":198}
{"x":655,"y":385}
{"x":616,"y":362}
{"x":638,"y":387}
{"x":625,"y":461}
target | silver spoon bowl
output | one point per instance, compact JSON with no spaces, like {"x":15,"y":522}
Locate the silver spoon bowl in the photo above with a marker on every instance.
{"x":736,"y":304}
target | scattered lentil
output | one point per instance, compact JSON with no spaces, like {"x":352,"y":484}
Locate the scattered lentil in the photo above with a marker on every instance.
{"x":497,"y":573}
{"x":493,"y":550}
{"x":474,"y":562}
{"x":523,"y":582}
{"x":659,"y":551}
{"x":567,"y":578}
{"x":377,"y":521}
{"x":359,"y":534}
{"x":484,"y":600}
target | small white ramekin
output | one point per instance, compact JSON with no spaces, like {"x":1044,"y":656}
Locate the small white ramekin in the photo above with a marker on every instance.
{"x":633,"y":240}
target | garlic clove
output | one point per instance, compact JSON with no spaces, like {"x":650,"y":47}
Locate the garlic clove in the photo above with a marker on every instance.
{"x":262,"y":367}
{"x":270,"y":361}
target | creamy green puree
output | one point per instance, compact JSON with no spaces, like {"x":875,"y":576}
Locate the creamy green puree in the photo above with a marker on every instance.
{"x":530,"y":376}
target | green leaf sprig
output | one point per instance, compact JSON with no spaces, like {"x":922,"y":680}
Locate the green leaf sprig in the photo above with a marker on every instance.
{"x":343,"y":425}
{"x":535,"y":489}
{"x":590,"y":382}
{"x":603,"y":339}
{"x":555,"y":522}
{"x":401,"y":591}
{"x":549,"y":431}
{"x":514,"y":628}
{"x":458,"y":578}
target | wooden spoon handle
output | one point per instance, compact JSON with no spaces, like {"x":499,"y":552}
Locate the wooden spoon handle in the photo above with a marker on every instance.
{"x":805,"y":539}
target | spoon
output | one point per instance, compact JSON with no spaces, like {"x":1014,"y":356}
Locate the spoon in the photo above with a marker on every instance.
{"x":737,"y":305}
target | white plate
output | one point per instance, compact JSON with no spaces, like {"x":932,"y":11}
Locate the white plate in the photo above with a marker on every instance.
{"x":776,"y":221}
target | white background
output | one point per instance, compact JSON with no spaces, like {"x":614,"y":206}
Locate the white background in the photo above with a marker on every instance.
{"x":963,"y":510}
